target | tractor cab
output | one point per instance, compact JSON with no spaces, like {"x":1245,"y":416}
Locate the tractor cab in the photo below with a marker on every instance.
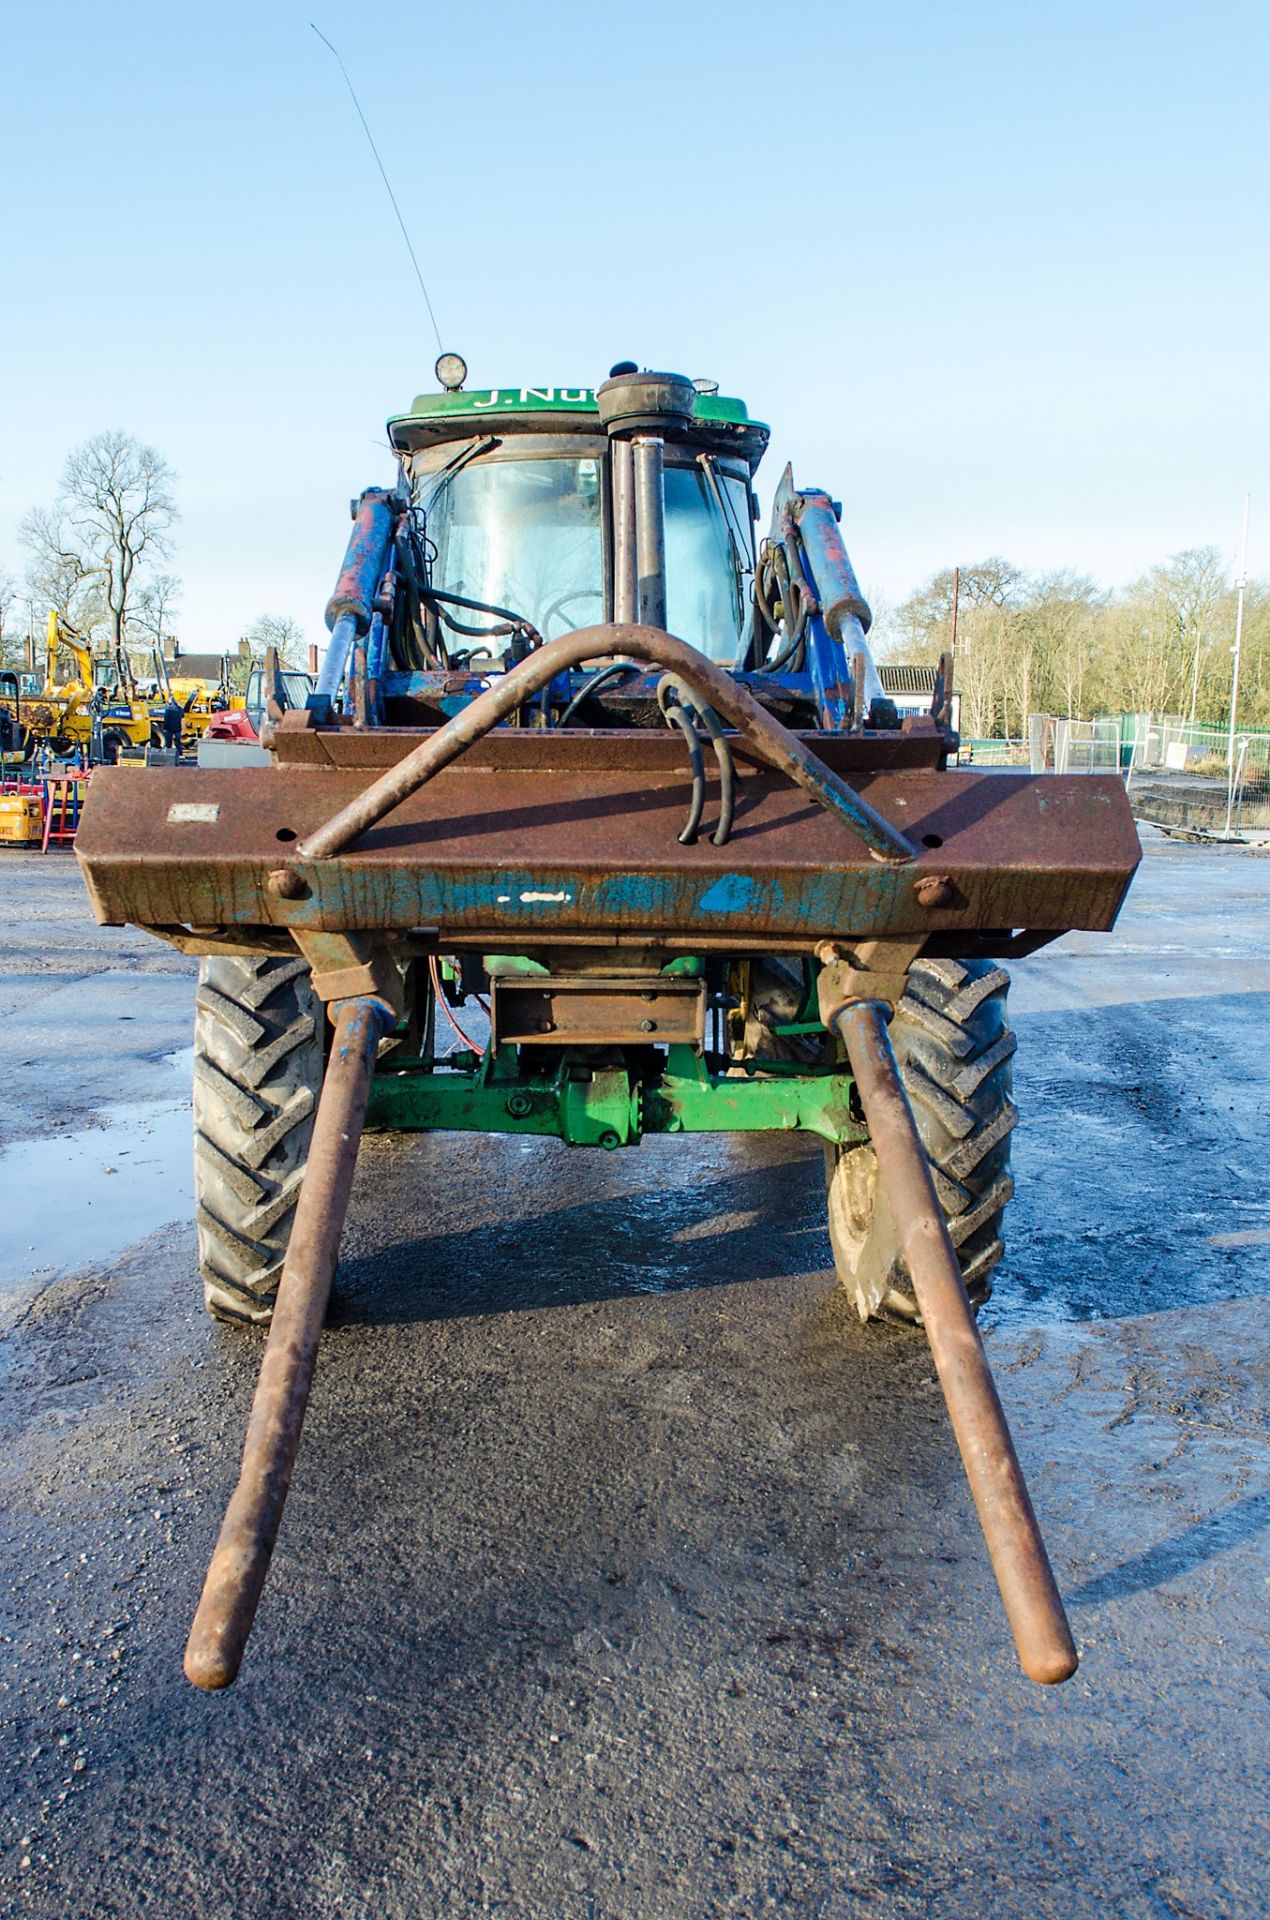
{"x":568,"y":507}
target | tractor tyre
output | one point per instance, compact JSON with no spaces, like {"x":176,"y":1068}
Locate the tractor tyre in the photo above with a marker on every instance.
{"x":258,"y":1063}
{"x":954,"y":1048}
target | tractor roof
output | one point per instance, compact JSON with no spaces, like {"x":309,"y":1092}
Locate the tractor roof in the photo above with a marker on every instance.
{"x":719,"y":422}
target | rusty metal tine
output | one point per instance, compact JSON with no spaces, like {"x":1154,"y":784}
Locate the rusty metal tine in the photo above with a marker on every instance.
{"x":240,"y":1562}
{"x":776,"y":744}
{"x":1042,"y":1636}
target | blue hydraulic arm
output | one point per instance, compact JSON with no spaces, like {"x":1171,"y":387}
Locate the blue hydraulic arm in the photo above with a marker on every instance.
{"x":350,"y":609}
{"x":837,"y":616}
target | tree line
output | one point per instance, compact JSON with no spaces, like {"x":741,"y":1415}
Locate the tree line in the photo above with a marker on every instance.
{"x":1058,"y":643}
{"x":95,"y":556}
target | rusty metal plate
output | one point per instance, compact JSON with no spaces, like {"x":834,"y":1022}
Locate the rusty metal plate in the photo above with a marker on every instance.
{"x":565,"y":851}
{"x":296,"y":742}
{"x":586,"y":1010}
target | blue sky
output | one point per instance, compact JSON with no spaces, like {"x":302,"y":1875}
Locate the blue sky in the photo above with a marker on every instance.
{"x":998,"y":276}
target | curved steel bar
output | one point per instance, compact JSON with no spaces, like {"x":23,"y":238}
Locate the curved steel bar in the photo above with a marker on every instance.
{"x":776,"y":744}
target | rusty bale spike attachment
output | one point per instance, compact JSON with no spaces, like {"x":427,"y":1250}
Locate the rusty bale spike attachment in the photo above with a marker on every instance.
{"x":1042,"y":1636}
{"x":236,"y":1576}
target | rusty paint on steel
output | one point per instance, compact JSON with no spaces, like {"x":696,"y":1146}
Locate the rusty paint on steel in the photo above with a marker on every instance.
{"x":773,"y":742}
{"x":590,"y":1010}
{"x":236,"y":1575}
{"x":561,"y":851}
{"x":1019,"y":1560}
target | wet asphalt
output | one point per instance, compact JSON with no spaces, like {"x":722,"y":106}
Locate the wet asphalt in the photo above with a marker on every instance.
{"x":623,"y":1573}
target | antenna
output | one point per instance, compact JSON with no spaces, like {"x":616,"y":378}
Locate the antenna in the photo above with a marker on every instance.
{"x":391,"y":195}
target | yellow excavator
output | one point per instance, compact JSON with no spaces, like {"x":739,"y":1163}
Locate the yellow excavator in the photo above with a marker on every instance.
{"x":84,"y":703}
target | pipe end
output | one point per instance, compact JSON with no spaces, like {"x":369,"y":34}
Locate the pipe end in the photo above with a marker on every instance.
{"x":1050,"y":1666}
{"x":208,"y":1668}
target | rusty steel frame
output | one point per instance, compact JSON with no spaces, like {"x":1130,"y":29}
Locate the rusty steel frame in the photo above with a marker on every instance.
{"x":559,"y":1010}
{"x":240,"y":1562}
{"x":1030,"y":1596}
{"x":560,"y":854}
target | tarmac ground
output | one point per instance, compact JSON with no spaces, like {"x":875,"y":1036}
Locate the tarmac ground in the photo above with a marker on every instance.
{"x":624,"y":1575}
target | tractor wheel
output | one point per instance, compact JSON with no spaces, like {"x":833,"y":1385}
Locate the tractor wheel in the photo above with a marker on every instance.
{"x":954,"y":1048}
{"x":258,"y":1060}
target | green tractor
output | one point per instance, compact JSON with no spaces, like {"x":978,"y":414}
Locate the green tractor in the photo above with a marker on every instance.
{"x":599,"y":824}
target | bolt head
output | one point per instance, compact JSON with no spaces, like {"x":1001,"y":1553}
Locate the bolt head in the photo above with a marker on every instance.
{"x":935,"y":890}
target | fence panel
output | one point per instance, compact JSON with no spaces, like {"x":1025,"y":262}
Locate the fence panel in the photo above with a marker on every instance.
{"x":1197,"y":777}
{"x":1056,"y":745}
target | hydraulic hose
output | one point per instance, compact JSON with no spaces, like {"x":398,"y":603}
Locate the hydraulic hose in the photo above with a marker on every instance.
{"x":681,"y":718}
{"x":671,"y":684}
{"x":593,"y":684}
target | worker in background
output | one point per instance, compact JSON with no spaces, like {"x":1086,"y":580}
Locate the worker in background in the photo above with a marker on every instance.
{"x":173,"y":718}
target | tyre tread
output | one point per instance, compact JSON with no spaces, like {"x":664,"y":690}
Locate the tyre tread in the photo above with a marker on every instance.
{"x":954,"y":1049}
{"x":258,"y":1064}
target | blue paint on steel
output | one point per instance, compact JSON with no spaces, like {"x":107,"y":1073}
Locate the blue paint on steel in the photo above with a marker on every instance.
{"x":435,"y":688}
{"x":626,"y":897}
{"x":839,"y":630}
{"x":730,"y":893}
{"x":370,"y":895}
{"x":334,"y":661}
{"x":350,"y":607}
{"x":365,"y":559}
{"x":376,"y":656}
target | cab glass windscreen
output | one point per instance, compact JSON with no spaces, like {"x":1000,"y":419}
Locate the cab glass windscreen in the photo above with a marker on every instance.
{"x":521,"y":534}
{"x":708,"y":561}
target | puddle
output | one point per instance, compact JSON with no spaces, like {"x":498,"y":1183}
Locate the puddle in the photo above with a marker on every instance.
{"x":74,"y":1199}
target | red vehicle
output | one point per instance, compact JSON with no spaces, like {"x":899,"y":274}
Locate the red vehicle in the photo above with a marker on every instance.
{"x":244,"y":723}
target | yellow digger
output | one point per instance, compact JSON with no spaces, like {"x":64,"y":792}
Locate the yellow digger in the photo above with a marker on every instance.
{"x":95,"y":707}
{"x":198,"y":684}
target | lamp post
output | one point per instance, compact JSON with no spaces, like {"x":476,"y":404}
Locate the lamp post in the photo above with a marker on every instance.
{"x":1240,"y":586}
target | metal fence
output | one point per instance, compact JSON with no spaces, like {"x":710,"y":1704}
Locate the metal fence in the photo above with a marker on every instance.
{"x":1180,"y":775}
{"x":1191,"y":771}
{"x":993,"y":753}
{"x":1073,"y":746}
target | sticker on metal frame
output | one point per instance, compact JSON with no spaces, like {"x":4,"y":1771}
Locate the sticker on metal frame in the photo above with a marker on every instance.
{"x":185,"y":812}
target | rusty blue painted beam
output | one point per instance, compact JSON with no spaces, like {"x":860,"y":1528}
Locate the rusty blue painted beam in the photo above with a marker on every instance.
{"x":556,"y":852}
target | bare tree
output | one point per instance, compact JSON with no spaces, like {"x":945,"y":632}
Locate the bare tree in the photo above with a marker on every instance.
{"x":278,"y":630}
{"x":1195,"y":583}
{"x":151,"y":615}
{"x":61,"y":576}
{"x":1057,"y":643}
{"x":116,"y":496}
{"x":1060,"y":614}
{"x":11,"y":647}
